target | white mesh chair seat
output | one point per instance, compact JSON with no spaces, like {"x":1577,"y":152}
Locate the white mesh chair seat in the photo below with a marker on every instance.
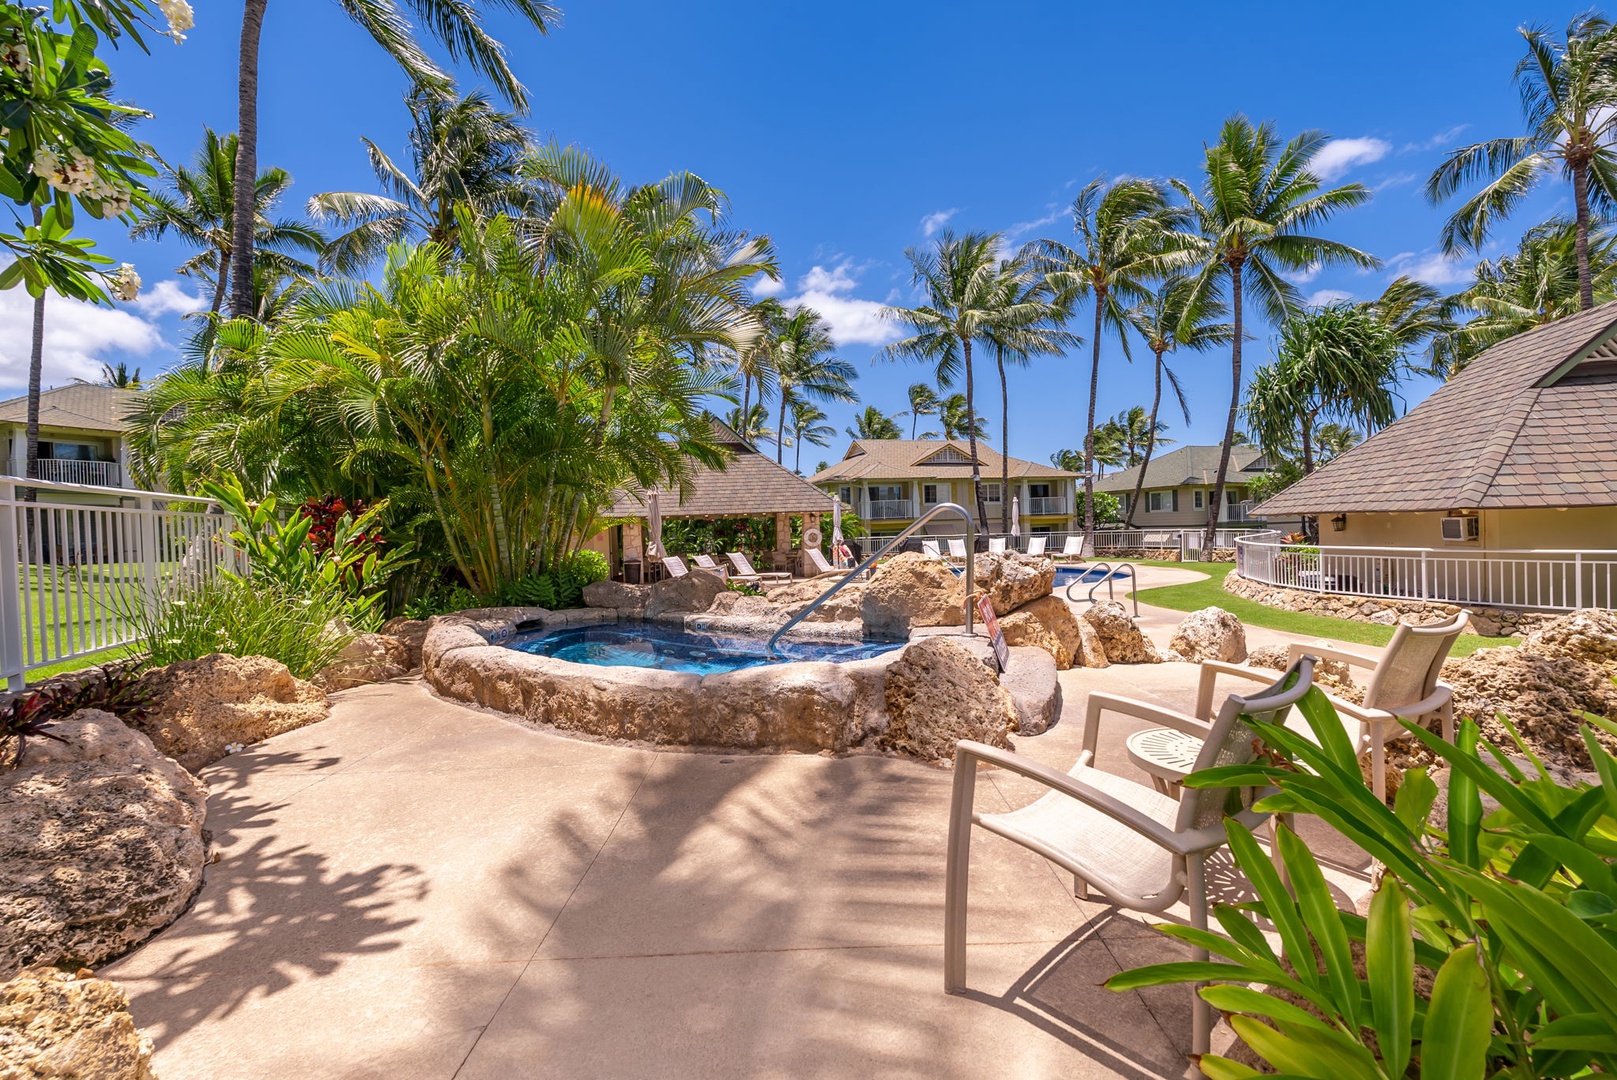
{"x":996,"y":545}
{"x":675,"y":566}
{"x":1119,"y":861}
{"x":930,"y":549}
{"x":957,"y":549}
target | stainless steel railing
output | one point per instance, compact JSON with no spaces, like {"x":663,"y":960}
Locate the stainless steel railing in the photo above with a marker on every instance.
{"x":1106,"y":579}
{"x":956,"y":508}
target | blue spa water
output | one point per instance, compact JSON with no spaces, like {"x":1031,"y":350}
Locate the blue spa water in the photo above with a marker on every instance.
{"x":668,"y":649}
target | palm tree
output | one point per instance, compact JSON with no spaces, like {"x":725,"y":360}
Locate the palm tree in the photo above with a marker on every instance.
{"x":116,"y":376}
{"x":1137,"y":429}
{"x":1070,"y":460}
{"x":1107,"y":446}
{"x":1176,"y":316}
{"x":755,"y":358}
{"x":462,"y":150}
{"x":1416,"y":314}
{"x":956,"y":419}
{"x":805,"y":369}
{"x":200,"y":211}
{"x":1535,"y":285}
{"x":1126,"y":234}
{"x":808,"y":426}
{"x":1257,"y":197}
{"x":1333,"y":439}
{"x":966,"y":301}
{"x":456,"y":24}
{"x":1337,"y":363}
{"x":751,"y":423}
{"x":1569,"y":100}
{"x":874,"y":424}
{"x":924,"y":401}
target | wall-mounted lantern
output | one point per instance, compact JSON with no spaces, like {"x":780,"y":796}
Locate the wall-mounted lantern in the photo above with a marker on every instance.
{"x":1339,"y":523}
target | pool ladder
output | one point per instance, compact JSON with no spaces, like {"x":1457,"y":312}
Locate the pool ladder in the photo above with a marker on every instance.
{"x":1111,"y":575}
{"x":870,"y":561}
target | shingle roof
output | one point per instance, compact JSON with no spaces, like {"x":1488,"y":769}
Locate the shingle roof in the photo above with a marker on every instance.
{"x":1532,"y":422}
{"x":1187,"y":466}
{"x":77,"y":405}
{"x":909,"y":459}
{"x":749,"y":485}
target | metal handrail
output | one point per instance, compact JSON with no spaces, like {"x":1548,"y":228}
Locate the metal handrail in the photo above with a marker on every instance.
{"x":965,"y":515}
{"x":1107,"y":579}
{"x":1071,"y":585}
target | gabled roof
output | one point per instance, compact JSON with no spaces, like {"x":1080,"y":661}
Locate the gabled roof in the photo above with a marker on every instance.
{"x":914,"y":459}
{"x":1532,"y":422}
{"x":749,"y":485}
{"x":1188,"y":466}
{"x":77,"y":405}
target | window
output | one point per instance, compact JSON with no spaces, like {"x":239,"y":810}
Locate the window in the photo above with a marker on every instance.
{"x":1038,"y":491}
{"x":847,"y":496}
{"x":949,"y":455}
{"x":929,"y":494}
{"x":1232,"y":497}
{"x":66,"y":451}
{"x":886,"y":493}
{"x":1157,"y":501}
{"x":991,"y":493}
{"x":1196,"y":501}
{"x":1123,"y":504}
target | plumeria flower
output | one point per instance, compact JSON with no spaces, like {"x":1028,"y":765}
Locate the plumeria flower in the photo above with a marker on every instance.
{"x":125,"y":283}
{"x":14,"y":55}
{"x":180,"y":18}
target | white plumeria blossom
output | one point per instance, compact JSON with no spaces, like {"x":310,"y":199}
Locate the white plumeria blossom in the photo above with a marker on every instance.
{"x":124,"y":283}
{"x":180,"y":17}
{"x":14,"y":55}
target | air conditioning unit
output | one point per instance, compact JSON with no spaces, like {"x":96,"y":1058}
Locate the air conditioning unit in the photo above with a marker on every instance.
{"x":1462,"y":528}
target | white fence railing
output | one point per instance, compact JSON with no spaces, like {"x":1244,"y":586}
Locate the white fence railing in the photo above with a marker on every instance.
{"x":75,"y":562}
{"x":1187,"y":542}
{"x":1551,"y":580}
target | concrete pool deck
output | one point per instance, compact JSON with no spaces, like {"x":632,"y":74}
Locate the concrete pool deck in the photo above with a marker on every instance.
{"x":414,"y":888}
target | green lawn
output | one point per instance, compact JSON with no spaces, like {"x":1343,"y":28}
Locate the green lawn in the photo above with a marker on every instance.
{"x":1210,"y":592}
{"x":82,"y":601}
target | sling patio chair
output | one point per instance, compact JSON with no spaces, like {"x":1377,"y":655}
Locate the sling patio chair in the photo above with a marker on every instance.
{"x":1072,"y":548}
{"x":1403,"y":685}
{"x":1139,"y":848}
{"x":957,"y":550}
{"x":1035,"y":545}
{"x":675,"y":566}
{"x":705,"y":562}
{"x":745,"y":572}
{"x":821,"y":566}
{"x":996,"y":545}
{"x":931,"y":550}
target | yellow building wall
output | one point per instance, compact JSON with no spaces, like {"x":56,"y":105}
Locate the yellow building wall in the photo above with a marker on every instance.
{"x":1575,"y":528}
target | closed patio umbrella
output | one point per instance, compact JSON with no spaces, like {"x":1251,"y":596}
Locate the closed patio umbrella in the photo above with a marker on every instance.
{"x":1016,"y":515}
{"x":654,"y":514}
{"x":836,"y":528}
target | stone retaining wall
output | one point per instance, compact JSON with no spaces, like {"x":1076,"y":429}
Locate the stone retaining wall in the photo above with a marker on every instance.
{"x":1490,"y":622}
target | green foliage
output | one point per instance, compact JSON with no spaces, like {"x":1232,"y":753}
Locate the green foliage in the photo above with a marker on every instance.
{"x":245,"y":616}
{"x":695,"y":536}
{"x":745,"y":588}
{"x":561,"y":586}
{"x":1107,"y":508}
{"x":1513,"y":905}
{"x":115,"y":688}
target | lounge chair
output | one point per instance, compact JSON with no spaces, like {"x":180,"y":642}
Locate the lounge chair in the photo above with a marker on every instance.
{"x":745,"y":572}
{"x":821,"y":566}
{"x":1139,"y":848}
{"x":1403,"y":685}
{"x":1072,"y":548}
{"x":705,"y":562}
{"x":996,"y":545}
{"x":957,"y":550}
{"x":931,"y":550}
{"x":1035,"y":544}
{"x":675,"y":566}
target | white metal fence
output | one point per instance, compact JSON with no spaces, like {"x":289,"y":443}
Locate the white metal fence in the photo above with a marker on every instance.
{"x":1187,"y":542}
{"x":76,"y":562}
{"x":1552,"y":580}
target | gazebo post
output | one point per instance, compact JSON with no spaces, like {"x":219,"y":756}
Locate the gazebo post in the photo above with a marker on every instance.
{"x":800,"y":560}
{"x":783,"y":542}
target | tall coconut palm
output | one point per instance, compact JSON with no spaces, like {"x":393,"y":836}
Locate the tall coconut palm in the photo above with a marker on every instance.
{"x":808,"y":426}
{"x":1256,"y":199}
{"x":1175,"y":316}
{"x":1125,"y":234}
{"x":755,"y":359}
{"x":462,"y":150}
{"x":200,"y":210}
{"x":924,"y":401}
{"x":751,"y":423}
{"x":1569,"y":100}
{"x":1416,"y":314}
{"x":805,"y":369}
{"x":965,"y":301}
{"x":455,"y":24}
{"x":956,"y":420}
{"x":119,"y":376}
{"x":872,"y":423}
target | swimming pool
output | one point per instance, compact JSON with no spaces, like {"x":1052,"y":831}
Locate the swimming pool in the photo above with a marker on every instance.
{"x":1067,"y":575}
{"x":670,"y":649}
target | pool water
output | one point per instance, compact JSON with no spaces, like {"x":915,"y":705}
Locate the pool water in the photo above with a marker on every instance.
{"x":1067,"y":575}
{"x":669,"y":649}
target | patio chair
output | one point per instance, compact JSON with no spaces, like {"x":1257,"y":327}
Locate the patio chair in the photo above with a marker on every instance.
{"x":821,"y":566}
{"x":705,"y":562}
{"x":996,"y":545}
{"x":957,"y":550}
{"x":1072,"y":548}
{"x":931,"y":550}
{"x":675,"y":566}
{"x":1139,"y":848}
{"x":745,"y":572}
{"x":1403,"y":685}
{"x":1035,"y":544}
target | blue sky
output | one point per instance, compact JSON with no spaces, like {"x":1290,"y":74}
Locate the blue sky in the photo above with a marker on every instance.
{"x":847,"y":132}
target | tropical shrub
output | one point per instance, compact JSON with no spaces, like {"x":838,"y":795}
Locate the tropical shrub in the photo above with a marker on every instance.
{"x":246,"y":616}
{"x":1511,"y":911}
{"x":561,"y":586}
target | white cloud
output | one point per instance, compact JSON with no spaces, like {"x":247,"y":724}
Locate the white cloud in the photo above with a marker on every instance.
{"x":1338,"y":156}
{"x":1327,"y":296}
{"x":79,"y":337}
{"x":768,"y":286}
{"x":1394,"y":180}
{"x":1306,"y":274}
{"x":853,"y":321}
{"x":1443,"y":140}
{"x":1433,"y":268}
{"x":935,"y":221}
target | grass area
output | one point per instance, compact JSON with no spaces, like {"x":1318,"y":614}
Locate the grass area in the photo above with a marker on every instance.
{"x":83,"y":602}
{"x":1210,"y":592}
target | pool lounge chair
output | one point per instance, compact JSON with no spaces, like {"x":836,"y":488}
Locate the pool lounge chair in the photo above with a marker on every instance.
{"x":705,"y":562}
{"x":1073,"y":548}
{"x":745,"y":572}
{"x":1035,"y":545}
{"x":1141,"y":849}
{"x":957,"y":550}
{"x":931,"y":550}
{"x":821,"y":566}
{"x":996,"y":545}
{"x":675,"y":566}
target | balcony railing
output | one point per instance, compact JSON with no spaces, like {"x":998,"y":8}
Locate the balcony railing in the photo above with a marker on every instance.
{"x":889,"y":510}
{"x":1046,"y":504}
{"x":72,"y":471}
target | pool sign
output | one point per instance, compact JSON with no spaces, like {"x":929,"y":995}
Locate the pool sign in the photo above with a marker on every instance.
{"x":985,"y":611}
